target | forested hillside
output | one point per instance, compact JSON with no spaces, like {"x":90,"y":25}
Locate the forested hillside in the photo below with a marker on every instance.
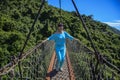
{"x":17,"y":16}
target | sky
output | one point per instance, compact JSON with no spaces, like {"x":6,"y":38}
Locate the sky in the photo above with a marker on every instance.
{"x":106,"y":11}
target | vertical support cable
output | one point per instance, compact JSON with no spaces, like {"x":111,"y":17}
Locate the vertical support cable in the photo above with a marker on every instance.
{"x":28,"y":36}
{"x":86,"y":29}
{"x":60,"y":10}
{"x":97,"y":54}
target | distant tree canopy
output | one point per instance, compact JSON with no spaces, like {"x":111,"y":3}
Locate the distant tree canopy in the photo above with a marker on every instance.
{"x":17,"y":17}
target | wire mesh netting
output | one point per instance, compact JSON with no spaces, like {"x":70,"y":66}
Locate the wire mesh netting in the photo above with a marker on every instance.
{"x":85,"y":64}
{"x":34,"y":64}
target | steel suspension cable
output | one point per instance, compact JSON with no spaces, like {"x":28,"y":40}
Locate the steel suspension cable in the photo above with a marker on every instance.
{"x":97,"y":54}
{"x":28,"y":36}
{"x":32,"y":27}
{"x":86,"y":29}
{"x":60,"y":10}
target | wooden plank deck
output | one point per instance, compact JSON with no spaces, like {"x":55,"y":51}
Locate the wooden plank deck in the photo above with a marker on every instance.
{"x":66,"y":74}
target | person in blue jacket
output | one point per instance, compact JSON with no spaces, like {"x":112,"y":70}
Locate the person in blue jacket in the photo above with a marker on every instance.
{"x":59,"y":37}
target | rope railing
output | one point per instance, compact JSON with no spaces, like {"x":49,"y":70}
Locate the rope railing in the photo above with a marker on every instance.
{"x":84,"y":62}
{"x":34,"y":64}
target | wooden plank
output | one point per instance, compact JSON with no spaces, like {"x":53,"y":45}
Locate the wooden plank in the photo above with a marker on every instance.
{"x":50,"y":68}
{"x":70,"y":70}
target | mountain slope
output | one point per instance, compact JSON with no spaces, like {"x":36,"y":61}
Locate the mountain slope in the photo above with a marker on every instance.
{"x":17,"y":17}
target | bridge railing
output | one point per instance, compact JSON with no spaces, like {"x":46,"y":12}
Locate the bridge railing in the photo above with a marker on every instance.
{"x":85,"y":64}
{"x":34,"y":64}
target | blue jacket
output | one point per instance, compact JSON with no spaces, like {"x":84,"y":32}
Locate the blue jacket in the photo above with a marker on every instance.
{"x":60,"y":39}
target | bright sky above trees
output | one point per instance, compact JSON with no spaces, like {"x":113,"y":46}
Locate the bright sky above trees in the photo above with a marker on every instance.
{"x":107,"y":11}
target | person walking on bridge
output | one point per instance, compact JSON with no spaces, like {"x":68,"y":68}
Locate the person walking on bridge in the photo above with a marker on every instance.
{"x":59,"y":37}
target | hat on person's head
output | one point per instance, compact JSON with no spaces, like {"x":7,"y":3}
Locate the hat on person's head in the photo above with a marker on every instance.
{"x":60,"y":24}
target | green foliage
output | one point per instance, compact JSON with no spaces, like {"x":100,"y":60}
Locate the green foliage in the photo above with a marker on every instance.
{"x":17,"y":17}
